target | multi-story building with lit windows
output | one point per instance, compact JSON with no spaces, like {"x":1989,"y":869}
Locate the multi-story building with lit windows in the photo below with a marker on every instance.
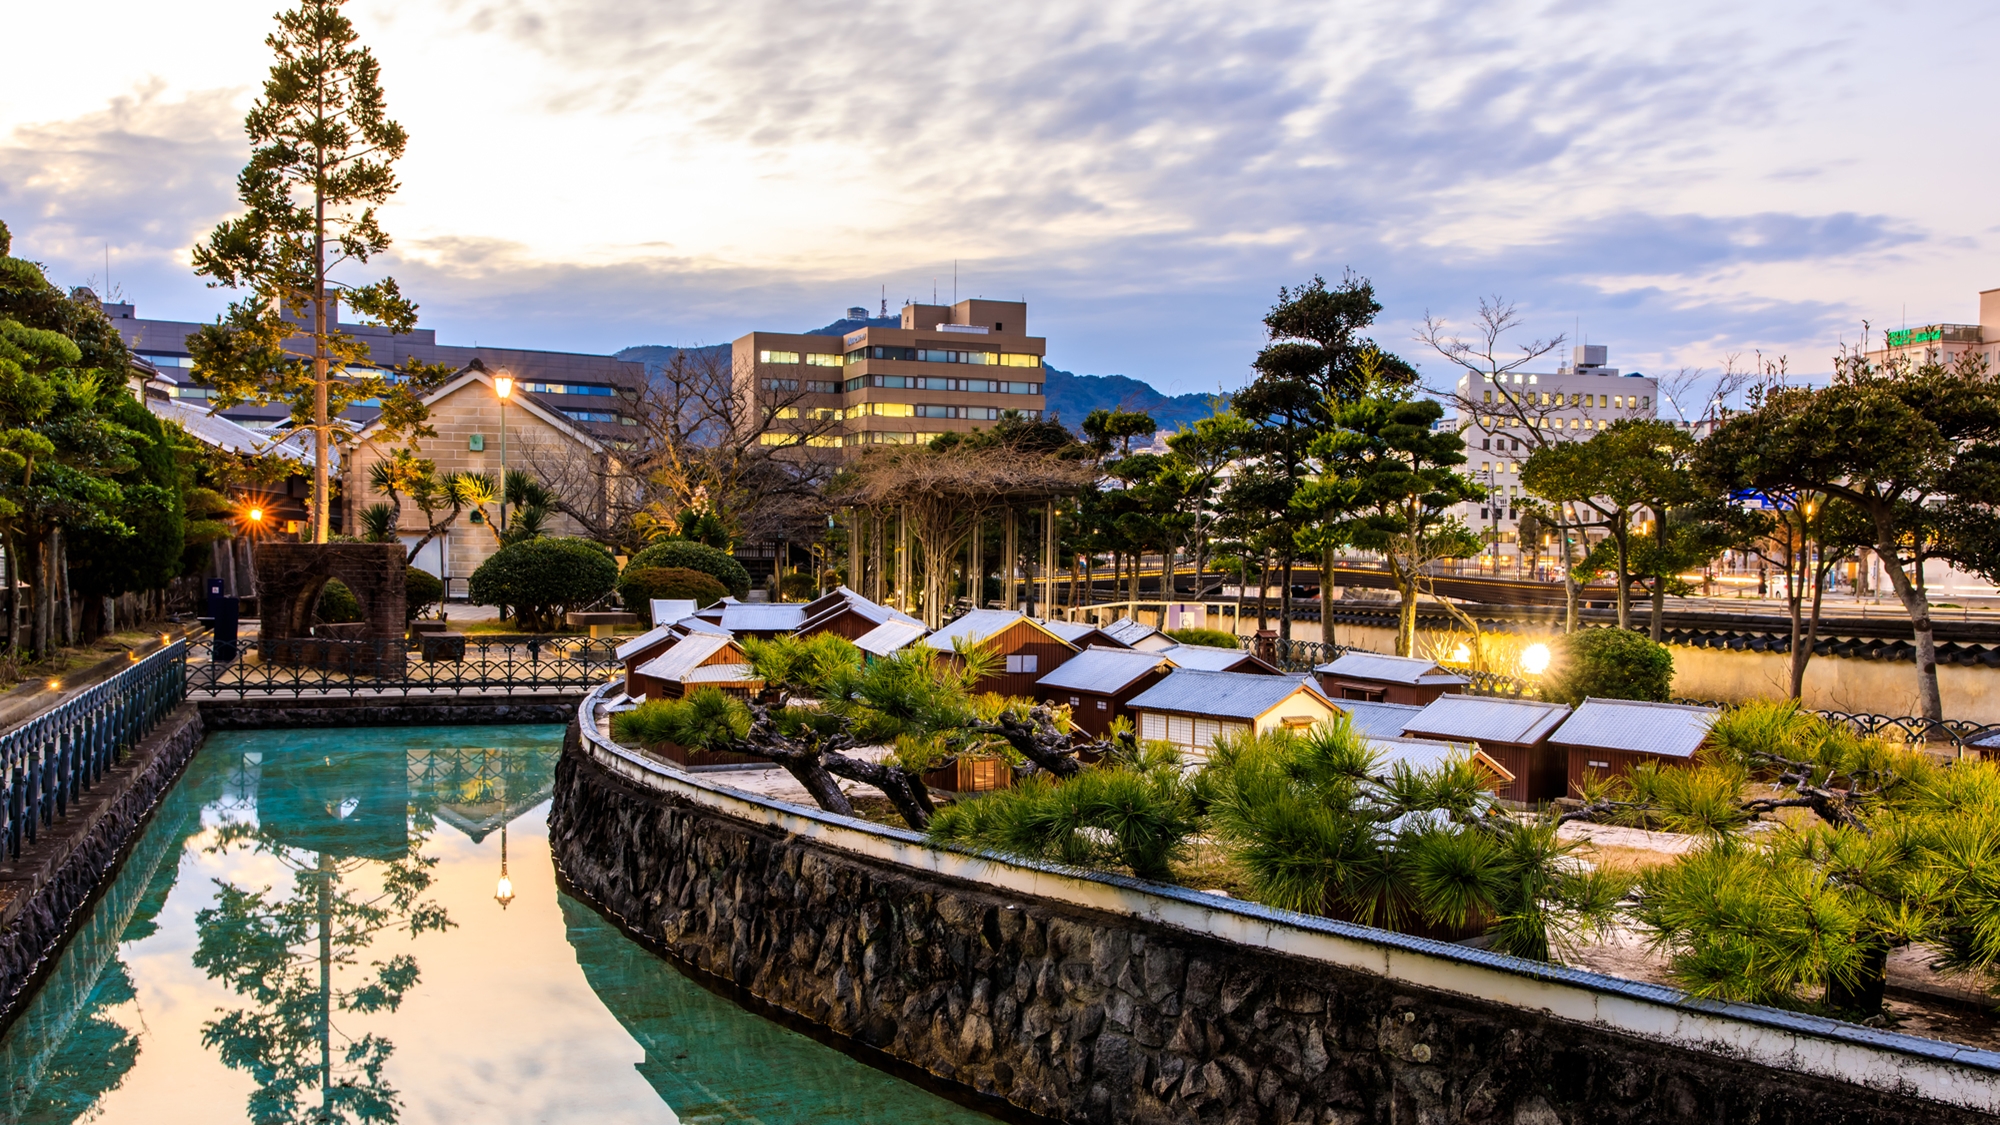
{"x":944,"y":368}
{"x":1944,"y":342}
{"x":1496,"y":415}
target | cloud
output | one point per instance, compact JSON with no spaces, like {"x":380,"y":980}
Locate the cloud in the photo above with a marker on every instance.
{"x":1146,"y":174}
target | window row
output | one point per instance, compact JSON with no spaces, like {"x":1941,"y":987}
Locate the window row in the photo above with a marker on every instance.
{"x":1586,"y":401}
{"x":568,"y":389}
{"x":1501,"y":422}
{"x":600,"y":416}
{"x":944,"y":355}
{"x":933,"y":383}
{"x":812,"y":386}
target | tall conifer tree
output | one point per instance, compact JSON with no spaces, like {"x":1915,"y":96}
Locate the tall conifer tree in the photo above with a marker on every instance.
{"x":321,"y":165}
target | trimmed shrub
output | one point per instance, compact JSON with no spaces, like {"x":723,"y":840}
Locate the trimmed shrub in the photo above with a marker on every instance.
{"x":693,"y":556}
{"x":421,"y":589}
{"x":637,"y":588}
{"x":1611,"y":664}
{"x":543,"y":579}
{"x":337,"y":604}
{"x":1215,"y":638}
{"x":705,"y":720}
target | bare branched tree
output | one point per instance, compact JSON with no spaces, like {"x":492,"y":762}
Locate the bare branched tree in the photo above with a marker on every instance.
{"x":944,"y":492}
{"x":706,"y":440}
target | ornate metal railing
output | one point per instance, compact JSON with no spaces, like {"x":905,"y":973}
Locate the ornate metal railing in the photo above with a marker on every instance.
{"x":397,"y":667}
{"x":54,"y":757}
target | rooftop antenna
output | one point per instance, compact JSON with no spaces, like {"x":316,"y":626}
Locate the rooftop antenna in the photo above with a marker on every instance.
{"x":885,"y":301}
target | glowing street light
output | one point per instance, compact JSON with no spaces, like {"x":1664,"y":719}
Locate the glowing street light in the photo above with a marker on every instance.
{"x":1535,"y":659}
{"x":256,"y":515}
{"x":503,"y":891}
{"x":503,"y":387}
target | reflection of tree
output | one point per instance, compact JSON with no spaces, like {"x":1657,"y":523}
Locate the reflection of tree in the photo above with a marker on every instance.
{"x":298,"y":958}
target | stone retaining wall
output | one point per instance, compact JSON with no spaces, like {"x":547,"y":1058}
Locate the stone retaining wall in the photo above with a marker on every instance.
{"x":1093,"y":1015}
{"x":269,"y":712}
{"x":47,"y":891}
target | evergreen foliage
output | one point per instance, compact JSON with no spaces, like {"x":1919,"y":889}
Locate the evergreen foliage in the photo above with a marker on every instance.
{"x":686,"y":555}
{"x":421,"y":590}
{"x":638,"y":586}
{"x":541,"y":580}
{"x":1611,"y":664}
{"x":1215,"y":638}
{"x":1138,"y":815}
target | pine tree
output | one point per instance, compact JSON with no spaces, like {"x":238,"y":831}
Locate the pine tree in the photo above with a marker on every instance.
{"x":321,"y":165}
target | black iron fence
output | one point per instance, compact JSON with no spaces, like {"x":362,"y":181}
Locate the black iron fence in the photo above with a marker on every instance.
{"x":399,"y":667}
{"x":51,"y":759}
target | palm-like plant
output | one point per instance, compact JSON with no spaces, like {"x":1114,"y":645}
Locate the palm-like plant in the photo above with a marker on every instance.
{"x":1137,"y":812}
{"x":378,"y":523}
{"x":1321,"y":827}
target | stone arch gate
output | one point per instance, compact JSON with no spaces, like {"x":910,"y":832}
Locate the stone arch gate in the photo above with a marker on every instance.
{"x":290,"y":577}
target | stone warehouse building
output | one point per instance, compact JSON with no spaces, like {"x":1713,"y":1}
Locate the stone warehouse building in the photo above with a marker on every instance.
{"x":1573,"y":403}
{"x":468,"y":416}
{"x":945,"y":368}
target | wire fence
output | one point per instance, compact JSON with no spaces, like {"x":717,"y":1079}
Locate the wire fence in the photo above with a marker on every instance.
{"x":398,"y":667}
{"x":53,"y":758}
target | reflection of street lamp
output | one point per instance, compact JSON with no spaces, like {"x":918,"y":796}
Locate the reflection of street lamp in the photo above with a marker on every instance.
{"x":503,"y":386}
{"x":503,"y":892}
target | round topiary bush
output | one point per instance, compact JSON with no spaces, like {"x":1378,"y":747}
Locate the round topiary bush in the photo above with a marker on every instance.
{"x":694,"y":556}
{"x":638,"y":587}
{"x":337,"y":604}
{"x":543,"y":579}
{"x":421,"y":588}
{"x":1610,"y":664}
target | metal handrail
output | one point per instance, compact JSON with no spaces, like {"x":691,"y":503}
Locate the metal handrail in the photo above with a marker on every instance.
{"x":51,"y":759}
{"x":396,"y":667}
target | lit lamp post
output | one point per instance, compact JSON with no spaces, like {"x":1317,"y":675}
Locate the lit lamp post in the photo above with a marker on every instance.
{"x":503,"y":892}
{"x":503,"y":386}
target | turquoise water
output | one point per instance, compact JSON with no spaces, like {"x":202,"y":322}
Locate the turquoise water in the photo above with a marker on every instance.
{"x":312,"y":930}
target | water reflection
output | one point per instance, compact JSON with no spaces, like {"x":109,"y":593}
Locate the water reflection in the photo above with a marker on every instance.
{"x":308,"y":931}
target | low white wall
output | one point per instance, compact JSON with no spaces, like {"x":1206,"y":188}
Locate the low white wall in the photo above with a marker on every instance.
{"x":1785,"y":1041}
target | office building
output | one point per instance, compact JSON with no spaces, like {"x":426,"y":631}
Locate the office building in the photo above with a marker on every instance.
{"x":943,"y":369}
{"x":1496,"y":414}
{"x":594,"y":392}
{"x":1944,"y":342}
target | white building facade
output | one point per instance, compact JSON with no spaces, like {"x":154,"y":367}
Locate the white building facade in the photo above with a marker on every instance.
{"x":1496,"y":415}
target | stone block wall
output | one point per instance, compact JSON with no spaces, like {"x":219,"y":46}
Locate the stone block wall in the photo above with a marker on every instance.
{"x":1092,"y":1017}
{"x":290,"y":577}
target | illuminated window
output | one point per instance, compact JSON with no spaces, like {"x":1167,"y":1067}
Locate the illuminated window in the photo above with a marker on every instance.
{"x":1489,"y":396}
{"x":815,"y":359}
{"x":777,"y":357}
{"x":1619,"y":402}
{"x":824,"y":441}
{"x":768,"y":438}
{"x":786,"y":412}
{"x":1009,"y":359}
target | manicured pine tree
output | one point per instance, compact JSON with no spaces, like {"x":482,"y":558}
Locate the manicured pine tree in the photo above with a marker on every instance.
{"x":321,"y":165}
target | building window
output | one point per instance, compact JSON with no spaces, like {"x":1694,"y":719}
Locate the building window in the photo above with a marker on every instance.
{"x":816,"y":359}
{"x":1022,"y":662}
{"x":777,"y":357}
{"x":567,"y":389}
{"x":781,"y":385}
{"x":592,"y":415}
{"x":1103,"y":706}
{"x":1009,"y":359}
{"x":1075,"y":702}
{"x":821,"y":388}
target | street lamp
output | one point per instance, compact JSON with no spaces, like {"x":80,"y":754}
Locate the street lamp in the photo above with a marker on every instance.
{"x":503,"y":892}
{"x":503,"y":386}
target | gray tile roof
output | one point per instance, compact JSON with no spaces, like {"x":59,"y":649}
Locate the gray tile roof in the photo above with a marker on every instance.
{"x":1205,"y":658}
{"x":1379,"y":720}
{"x":677,"y":662}
{"x":1416,"y":753}
{"x":839,"y":600}
{"x":1073,"y":631}
{"x":1128,"y":632}
{"x":975,"y":627}
{"x":1390,"y":669}
{"x":1103,"y":670}
{"x":1669,"y":729}
{"x":890,"y":636}
{"x":1225,"y":695}
{"x":748,"y":617}
{"x":722,"y":674}
{"x":672,"y":609}
{"x":646,"y":640}
{"x":1486,"y":719}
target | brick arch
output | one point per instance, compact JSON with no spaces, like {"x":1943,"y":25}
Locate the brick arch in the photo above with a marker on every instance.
{"x":290,"y":577}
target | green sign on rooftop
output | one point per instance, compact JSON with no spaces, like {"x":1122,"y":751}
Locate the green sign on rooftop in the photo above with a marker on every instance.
{"x":1909,"y":337}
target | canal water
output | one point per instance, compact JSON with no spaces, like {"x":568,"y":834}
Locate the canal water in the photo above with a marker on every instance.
{"x":364,"y":926}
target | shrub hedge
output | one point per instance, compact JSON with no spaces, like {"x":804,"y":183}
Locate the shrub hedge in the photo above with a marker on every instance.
{"x":543,"y":579}
{"x":638,"y":586}
{"x":1611,"y":664}
{"x":693,"y":556}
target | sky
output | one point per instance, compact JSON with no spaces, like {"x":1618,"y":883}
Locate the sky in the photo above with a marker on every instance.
{"x":1691,"y":184}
